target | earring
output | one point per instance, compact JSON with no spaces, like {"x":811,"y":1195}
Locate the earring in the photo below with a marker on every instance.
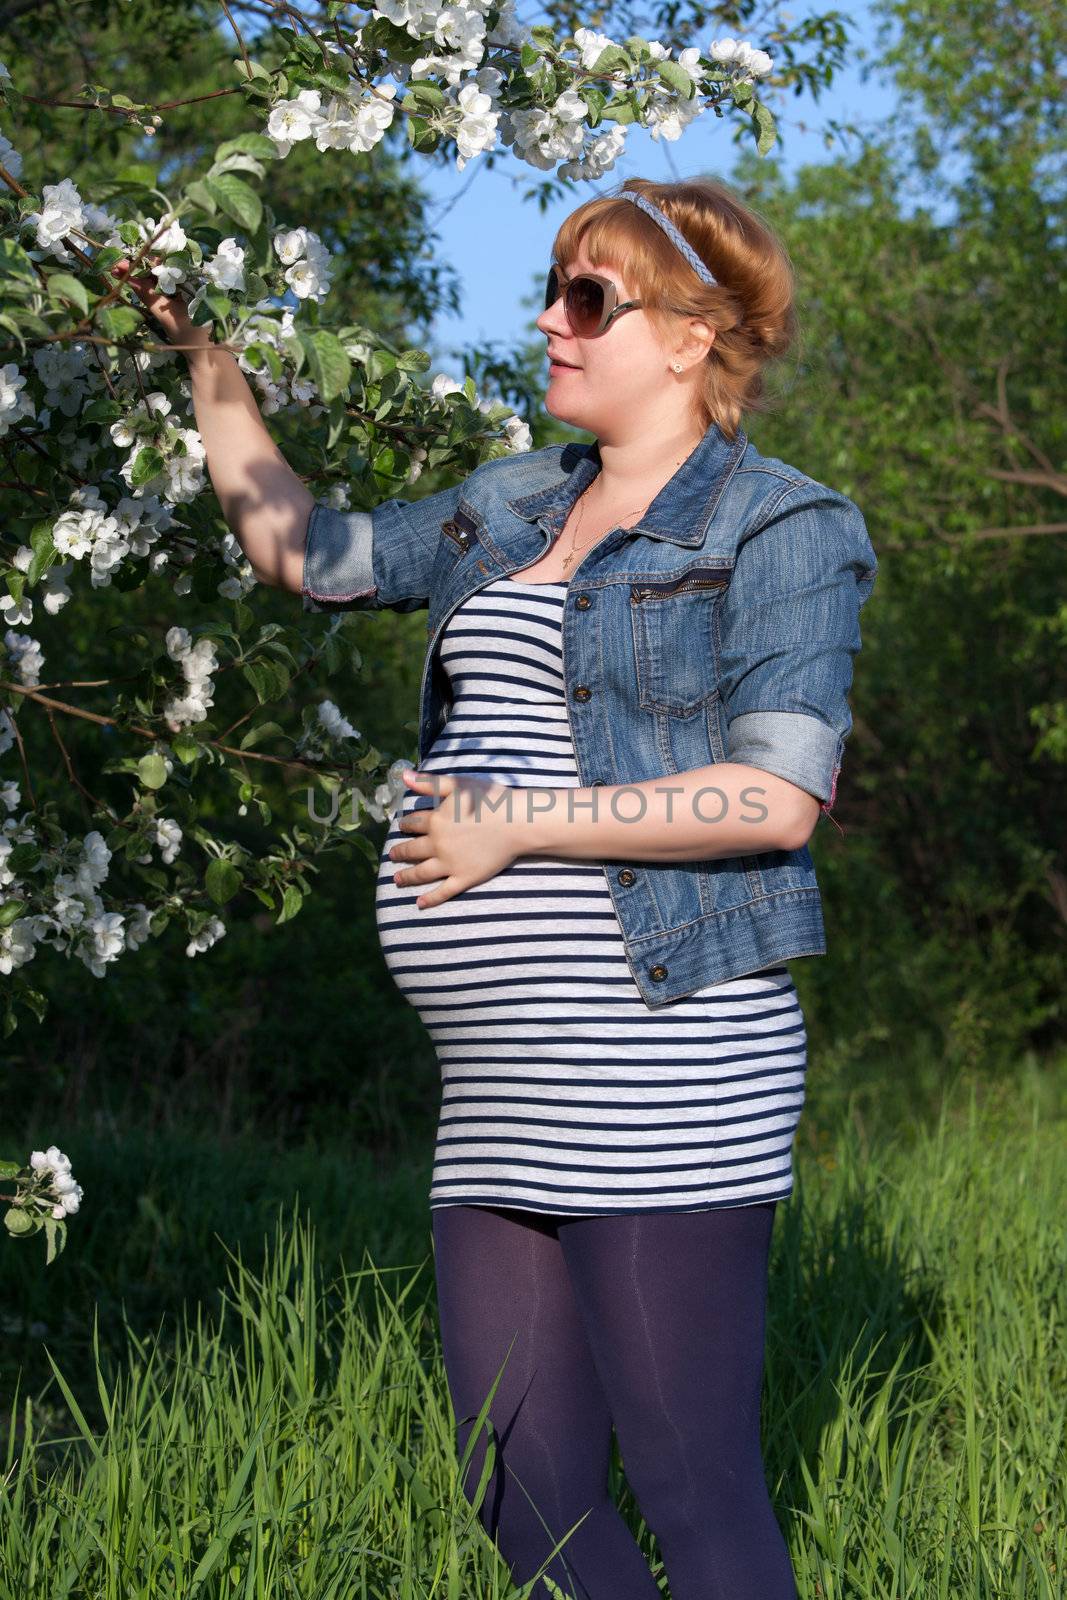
{"x":677,"y":366}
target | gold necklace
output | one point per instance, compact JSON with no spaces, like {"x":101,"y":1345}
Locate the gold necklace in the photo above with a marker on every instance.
{"x":574,"y":550}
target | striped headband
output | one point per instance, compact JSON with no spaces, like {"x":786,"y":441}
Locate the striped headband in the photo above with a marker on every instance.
{"x":672,"y":233}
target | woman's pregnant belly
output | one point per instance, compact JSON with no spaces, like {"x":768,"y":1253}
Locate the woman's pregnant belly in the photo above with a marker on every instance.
{"x":526,"y":922}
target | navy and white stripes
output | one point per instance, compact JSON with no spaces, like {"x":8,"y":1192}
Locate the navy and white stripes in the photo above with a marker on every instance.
{"x":562,"y":1091}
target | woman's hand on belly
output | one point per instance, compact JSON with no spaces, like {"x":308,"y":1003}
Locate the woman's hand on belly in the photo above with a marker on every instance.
{"x":466,"y":838}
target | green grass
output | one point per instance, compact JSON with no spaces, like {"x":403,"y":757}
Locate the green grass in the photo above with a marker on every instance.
{"x":289,"y":1432}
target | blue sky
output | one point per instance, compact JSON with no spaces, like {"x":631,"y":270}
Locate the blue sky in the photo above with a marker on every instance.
{"x":496,"y":242}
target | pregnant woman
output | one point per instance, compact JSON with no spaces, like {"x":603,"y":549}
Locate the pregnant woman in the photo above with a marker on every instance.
{"x":634,"y":708}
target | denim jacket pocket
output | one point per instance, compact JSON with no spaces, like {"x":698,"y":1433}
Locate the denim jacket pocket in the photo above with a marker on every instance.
{"x":673,"y":623}
{"x":459,"y":539}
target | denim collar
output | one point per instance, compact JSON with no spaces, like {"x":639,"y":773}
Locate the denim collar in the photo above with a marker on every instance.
{"x":680,"y":512}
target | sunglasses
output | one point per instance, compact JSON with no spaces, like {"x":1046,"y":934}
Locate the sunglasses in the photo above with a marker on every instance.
{"x":590,"y":301}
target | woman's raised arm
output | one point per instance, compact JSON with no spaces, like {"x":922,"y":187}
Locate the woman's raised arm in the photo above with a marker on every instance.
{"x":263,"y":500}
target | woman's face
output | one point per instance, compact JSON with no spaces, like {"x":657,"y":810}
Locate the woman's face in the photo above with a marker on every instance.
{"x":619,"y":380}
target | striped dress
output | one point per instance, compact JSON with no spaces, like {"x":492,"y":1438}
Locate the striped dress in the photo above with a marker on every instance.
{"x":562,"y":1092}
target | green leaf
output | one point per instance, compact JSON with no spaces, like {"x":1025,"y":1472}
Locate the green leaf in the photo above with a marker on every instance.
{"x":220,"y":303}
{"x":328,"y":362}
{"x":35,"y":1000}
{"x":766,"y":132}
{"x":10,"y":911}
{"x":153,"y":875}
{"x":15,"y":263}
{"x":62,"y":286}
{"x":596,"y":100}
{"x":613,"y":57}
{"x":421,"y":137}
{"x":395,"y":42}
{"x":18,"y":1220}
{"x":379,"y":362}
{"x":55,"y":1229}
{"x":102,"y":410}
{"x":292,"y":900}
{"x":8,"y":1169}
{"x":201,"y":196}
{"x":676,"y":76}
{"x":465,"y":423}
{"x":120,"y":321}
{"x":428,"y":92}
{"x":619,"y":111}
{"x":258,"y":71}
{"x":261,"y":677}
{"x":222,"y":880}
{"x":148,"y":464}
{"x":249,"y":144}
{"x":152,"y":770}
{"x":23,"y":858}
{"x":237,"y":198}
{"x":263,"y":730}
{"x":185,"y":748}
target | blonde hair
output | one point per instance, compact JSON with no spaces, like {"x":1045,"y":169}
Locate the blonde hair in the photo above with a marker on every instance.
{"x":752,"y":307}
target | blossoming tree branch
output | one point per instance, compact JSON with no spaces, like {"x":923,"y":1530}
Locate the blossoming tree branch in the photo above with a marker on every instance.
{"x":103,"y":843}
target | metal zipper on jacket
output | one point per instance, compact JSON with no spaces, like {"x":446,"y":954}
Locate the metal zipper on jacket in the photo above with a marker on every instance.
{"x":427,"y":663}
{"x":664,"y":591}
{"x":445,"y":620}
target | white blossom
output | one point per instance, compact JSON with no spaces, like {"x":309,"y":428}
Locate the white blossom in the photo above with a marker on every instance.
{"x":168,"y":838}
{"x":138,"y":926}
{"x":170,"y":239}
{"x":16,"y":611}
{"x":293,"y":120}
{"x":599,"y":155}
{"x":14,"y":405}
{"x":63,"y":1189}
{"x":102,"y":941}
{"x":9,"y":157}
{"x":198,"y":662}
{"x":477,"y":131}
{"x":519,"y":435}
{"x":226,"y":269}
{"x":27,"y":655}
{"x":64,"y":376}
{"x":16,"y":945}
{"x":443,"y":384}
{"x":63,"y":210}
{"x":208,"y":935}
{"x":591,"y":46}
{"x":731,"y":52}
{"x":337,"y":725}
{"x":290,"y":244}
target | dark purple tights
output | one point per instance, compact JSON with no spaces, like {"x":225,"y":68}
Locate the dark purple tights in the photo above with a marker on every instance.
{"x":651,"y":1321}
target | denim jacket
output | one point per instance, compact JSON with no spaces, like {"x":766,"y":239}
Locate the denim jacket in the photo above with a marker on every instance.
{"x":721,"y":627}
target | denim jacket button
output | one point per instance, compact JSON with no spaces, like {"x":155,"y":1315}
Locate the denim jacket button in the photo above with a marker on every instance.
{"x":583,"y":602}
{"x":626,"y":877}
{"x":657,"y":973}
{"x":582,"y":692}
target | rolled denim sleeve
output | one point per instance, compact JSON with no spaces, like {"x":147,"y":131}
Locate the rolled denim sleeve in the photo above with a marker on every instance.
{"x":370,"y":560}
{"x":789,"y":632}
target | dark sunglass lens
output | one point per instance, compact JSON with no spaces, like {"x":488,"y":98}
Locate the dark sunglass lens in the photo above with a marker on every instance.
{"x":585,"y":305}
{"x":551,"y":288}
